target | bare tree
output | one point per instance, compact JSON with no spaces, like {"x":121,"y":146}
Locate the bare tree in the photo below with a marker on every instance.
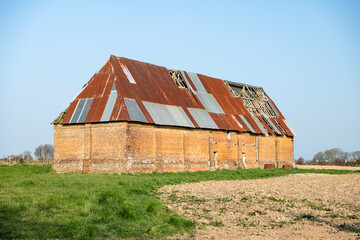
{"x":335,"y":154}
{"x":48,"y":151}
{"x":354,"y":156}
{"x":338,"y":157}
{"x":39,"y":152}
{"x":319,"y":157}
{"x":44,"y":152}
{"x":26,"y":155}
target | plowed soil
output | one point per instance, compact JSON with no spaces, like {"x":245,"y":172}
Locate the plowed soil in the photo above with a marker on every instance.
{"x":301,"y":206}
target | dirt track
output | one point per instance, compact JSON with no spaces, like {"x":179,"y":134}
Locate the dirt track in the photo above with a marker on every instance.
{"x":301,"y":206}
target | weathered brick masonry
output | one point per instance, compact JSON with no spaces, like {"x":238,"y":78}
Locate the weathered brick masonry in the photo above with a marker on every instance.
{"x":126,"y":147}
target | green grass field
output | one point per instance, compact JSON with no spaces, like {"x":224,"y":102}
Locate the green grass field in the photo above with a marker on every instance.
{"x":37,"y":203}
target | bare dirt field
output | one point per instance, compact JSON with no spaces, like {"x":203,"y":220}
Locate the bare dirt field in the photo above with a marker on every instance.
{"x":327,"y":167}
{"x":301,"y":206}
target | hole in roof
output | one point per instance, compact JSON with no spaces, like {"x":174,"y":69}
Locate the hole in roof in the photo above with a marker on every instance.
{"x":178,"y":78}
{"x":253,"y":98}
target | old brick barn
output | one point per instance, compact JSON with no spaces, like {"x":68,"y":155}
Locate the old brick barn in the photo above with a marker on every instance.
{"x":138,"y":117}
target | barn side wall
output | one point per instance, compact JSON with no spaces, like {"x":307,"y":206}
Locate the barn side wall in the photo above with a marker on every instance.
{"x":134,"y":147}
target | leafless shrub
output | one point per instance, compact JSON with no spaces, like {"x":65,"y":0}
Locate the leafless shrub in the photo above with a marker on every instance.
{"x":300,"y":161}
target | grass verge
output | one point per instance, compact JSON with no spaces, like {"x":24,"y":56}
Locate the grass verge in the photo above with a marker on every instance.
{"x":37,"y":203}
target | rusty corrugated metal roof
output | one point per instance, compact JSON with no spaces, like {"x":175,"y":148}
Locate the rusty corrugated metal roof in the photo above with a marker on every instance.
{"x":154,"y":97}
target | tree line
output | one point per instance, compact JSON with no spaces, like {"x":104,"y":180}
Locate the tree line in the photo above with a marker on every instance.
{"x":335,"y":156}
{"x":44,"y":152}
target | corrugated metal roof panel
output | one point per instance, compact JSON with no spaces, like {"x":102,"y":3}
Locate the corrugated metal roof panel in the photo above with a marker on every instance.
{"x":225,"y":121}
{"x":288,"y":125}
{"x":159,"y":113}
{"x":85,"y":110}
{"x":109,"y":107}
{"x":196,"y":81}
{"x":268,"y":121}
{"x":81,"y":111}
{"x":214,"y":85}
{"x":237,"y":122}
{"x":280,"y":127}
{"x":120,"y":112}
{"x":266,"y":126}
{"x":186,"y":81}
{"x":180,"y":116}
{"x":78,"y":110}
{"x":246,"y":123}
{"x":258,"y":123}
{"x":127,"y":73}
{"x":273,"y":108}
{"x":99,"y":89}
{"x":134,"y":110}
{"x":209,"y":102}
{"x":202,"y":118}
{"x":167,"y":115}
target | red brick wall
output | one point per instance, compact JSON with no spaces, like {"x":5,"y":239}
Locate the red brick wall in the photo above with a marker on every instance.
{"x":134,"y":147}
{"x":108,"y":147}
{"x":68,"y":148}
{"x":248,"y":149}
{"x":266,"y":150}
{"x":225,"y":144}
{"x":170,"y":151}
{"x":285,"y":151}
{"x":141,"y":148}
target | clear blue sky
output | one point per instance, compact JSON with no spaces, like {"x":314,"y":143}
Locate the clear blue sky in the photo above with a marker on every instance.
{"x":306,"y":55}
